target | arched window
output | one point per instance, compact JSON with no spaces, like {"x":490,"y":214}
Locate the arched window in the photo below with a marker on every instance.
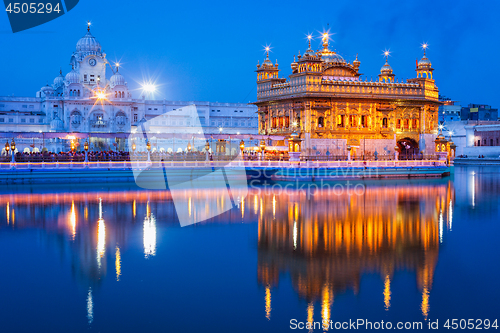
{"x":321,"y":122}
{"x":384,"y":123}
{"x":71,"y":92}
{"x":116,"y":94}
{"x":78,"y":92}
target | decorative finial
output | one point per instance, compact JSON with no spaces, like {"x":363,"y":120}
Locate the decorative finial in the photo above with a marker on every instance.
{"x":88,"y":26}
{"x":267,"y":51}
{"x":276,"y":63}
{"x":60,"y":70}
{"x":309,"y":37}
{"x":299,"y":54}
{"x":386,"y":55}
{"x":117,"y":65}
{"x":294,"y":58}
{"x":356,"y":57}
{"x":425,"y":46}
{"x":326,"y":36}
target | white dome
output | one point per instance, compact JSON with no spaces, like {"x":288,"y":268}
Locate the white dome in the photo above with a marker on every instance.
{"x":47,"y":88}
{"x":56,"y":124}
{"x":117,"y":80}
{"x":72,"y":77}
{"x":88,"y":43}
{"x":59,"y":81}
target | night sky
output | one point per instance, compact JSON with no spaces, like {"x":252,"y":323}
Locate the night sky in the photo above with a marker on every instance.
{"x":208,"y":50}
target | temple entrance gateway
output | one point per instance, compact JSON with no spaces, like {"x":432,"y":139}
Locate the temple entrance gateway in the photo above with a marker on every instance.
{"x":408,"y":148}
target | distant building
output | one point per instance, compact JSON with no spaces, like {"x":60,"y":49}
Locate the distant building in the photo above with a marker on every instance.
{"x":479,"y":112}
{"x":449,"y":111}
{"x":94,"y":98}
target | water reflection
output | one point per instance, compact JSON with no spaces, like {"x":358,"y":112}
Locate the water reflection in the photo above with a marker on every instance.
{"x":325,"y":244}
{"x":328,"y":243}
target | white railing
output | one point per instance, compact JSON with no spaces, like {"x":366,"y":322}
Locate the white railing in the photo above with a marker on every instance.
{"x":127,"y":165}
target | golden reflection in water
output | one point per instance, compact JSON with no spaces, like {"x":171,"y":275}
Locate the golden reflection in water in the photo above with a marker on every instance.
{"x":310,"y":315}
{"x":387,"y":292}
{"x":328,"y":243}
{"x":325,"y":307}
{"x":274,"y":206}
{"x":13,"y":216}
{"x":268,"y":303}
{"x":101,"y":236}
{"x":118,"y":263}
{"x":149,"y":234}
{"x":243,"y":208}
{"x":255,"y":204}
{"x":189,"y":206}
{"x":134,"y":208}
{"x":425,"y":302}
{"x":90,"y":307}
{"x":8,"y":213}
{"x":86,"y":213}
{"x":72,"y":220}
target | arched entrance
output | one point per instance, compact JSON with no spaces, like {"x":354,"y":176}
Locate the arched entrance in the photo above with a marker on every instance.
{"x":408,"y":149}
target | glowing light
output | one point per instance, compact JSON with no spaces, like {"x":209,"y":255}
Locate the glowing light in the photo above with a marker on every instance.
{"x":148,"y":87}
{"x":450,"y":133}
{"x":101,"y":236}
{"x":220,"y":129}
{"x":309,"y":37}
{"x":310,"y":314}
{"x":387,"y":292}
{"x":72,"y":220}
{"x":268,"y":303}
{"x":450,"y":216}
{"x":274,"y":206}
{"x":149,"y":234}
{"x":90,"y":307}
{"x":8,"y":213}
{"x":440,"y":126}
{"x":425,"y":45}
{"x":441,"y":222}
{"x":425,"y":302}
{"x":118,"y":263}
{"x":101,"y":95}
{"x":294,"y":235}
{"x":325,"y":307}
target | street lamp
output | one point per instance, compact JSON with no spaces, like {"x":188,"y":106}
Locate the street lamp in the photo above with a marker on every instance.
{"x":72,"y":146}
{"x":242,"y":146}
{"x":86,"y":148}
{"x":220,"y":129}
{"x":133,"y":148}
{"x":148,"y":146}
{"x":207,"y":148}
{"x":189,"y":147}
{"x":13,"y":148}
{"x":7,"y":147}
{"x":262,"y":147}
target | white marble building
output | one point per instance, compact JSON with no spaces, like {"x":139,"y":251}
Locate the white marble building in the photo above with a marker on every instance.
{"x":93,"y":97}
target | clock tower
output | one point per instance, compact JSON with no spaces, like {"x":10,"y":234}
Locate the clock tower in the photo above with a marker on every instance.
{"x":89,"y":61}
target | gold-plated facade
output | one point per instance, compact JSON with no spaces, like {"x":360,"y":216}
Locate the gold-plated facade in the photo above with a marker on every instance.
{"x":326,"y":98}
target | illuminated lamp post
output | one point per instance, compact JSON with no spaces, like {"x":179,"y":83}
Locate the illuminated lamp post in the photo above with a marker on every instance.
{"x":294,"y":147}
{"x":148,"y":146}
{"x":7,"y":147}
{"x":242,"y":146}
{"x":396,"y":152}
{"x":189,"y":147}
{"x":13,"y":149}
{"x":86,"y":148}
{"x":262,"y":147}
{"x":207,"y":148}
{"x":133,"y":148}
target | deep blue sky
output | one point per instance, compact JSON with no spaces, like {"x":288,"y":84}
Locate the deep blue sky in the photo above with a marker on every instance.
{"x":207,"y":50}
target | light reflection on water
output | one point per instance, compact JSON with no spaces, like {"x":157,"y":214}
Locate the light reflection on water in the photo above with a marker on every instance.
{"x":323,"y":246}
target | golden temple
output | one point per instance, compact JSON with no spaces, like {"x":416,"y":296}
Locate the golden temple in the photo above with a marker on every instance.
{"x":327,"y":103}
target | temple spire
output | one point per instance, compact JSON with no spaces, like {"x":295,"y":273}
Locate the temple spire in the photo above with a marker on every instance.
{"x":88,"y":26}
